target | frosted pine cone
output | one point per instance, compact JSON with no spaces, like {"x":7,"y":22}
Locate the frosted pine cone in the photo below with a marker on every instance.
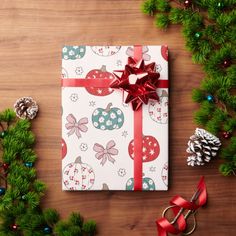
{"x":26,"y":108}
{"x":202,"y":146}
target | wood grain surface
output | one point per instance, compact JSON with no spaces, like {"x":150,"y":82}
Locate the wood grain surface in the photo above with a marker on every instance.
{"x":32,"y":33}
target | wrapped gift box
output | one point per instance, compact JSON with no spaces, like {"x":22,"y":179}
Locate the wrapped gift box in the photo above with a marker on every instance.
{"x":98,"y":127}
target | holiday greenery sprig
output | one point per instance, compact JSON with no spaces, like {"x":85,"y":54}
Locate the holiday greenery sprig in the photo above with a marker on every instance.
{"x":21,"y":191}
{"x":209,"y":28}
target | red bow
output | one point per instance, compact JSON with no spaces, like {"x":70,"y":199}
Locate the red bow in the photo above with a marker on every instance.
{"x":140,"y":81}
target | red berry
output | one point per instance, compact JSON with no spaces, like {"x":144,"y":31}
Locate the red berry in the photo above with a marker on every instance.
{"x":227,"y":134}
{"x":226,"y":63}
{"x":187,"y":3}
{"x":5,"y":166}
{"x":14,"y":226}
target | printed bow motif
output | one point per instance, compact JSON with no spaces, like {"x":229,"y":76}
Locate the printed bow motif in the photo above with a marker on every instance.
{"x":146,"y":57}
{"x":139,"y":81}
{"x":75,"y":127}
{"x":105,"y":154}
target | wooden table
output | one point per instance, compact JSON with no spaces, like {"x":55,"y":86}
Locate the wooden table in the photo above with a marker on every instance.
{"x":31,"y":36}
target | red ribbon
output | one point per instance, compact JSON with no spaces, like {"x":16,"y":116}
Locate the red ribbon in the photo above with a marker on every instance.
{"x":140,"y":81}
{"x":164,"y":226}
{"x":147,"y":86}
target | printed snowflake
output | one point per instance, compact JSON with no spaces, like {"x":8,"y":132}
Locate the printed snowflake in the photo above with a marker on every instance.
{"x":79,"y":70}
{"x":101,"y":119}
{"x":124,"y":134}
{"x":92,"y":103}
{"x":113,"y":115}
{"x":158,"y":68}
{"x":83,"y":147}
{"x":121,"y":172}
{"x":145,"y":186}
{"x":74,"y":97}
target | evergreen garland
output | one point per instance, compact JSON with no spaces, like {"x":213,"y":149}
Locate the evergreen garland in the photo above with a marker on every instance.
{"x":20,"y":191}
{"x":209,"y":28}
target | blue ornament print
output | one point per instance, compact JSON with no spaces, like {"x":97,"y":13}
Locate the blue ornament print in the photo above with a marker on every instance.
{"x":108,"y":118}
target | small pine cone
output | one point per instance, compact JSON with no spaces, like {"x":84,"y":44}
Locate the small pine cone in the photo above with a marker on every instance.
{"x":26,"y":108}
{"x":202,"y":146}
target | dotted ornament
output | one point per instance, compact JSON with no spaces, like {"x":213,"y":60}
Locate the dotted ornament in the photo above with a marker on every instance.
{"x":164,"y":52}
{"x":158,"y":111}
{"x":105,"y":51}
{"x":63,"y":148}
{"x":148,"y":184}
{"x":99,"y":74}
{"x":164,"y":174}
{"x":151,"y":149}
{"x":108,"y":118}
{"x":78,"y":176}
{"x":73,"y":52}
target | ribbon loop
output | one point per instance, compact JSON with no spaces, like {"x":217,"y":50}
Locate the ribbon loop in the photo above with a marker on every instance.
{"x":178,"y":206}
{"x":140,"y":81}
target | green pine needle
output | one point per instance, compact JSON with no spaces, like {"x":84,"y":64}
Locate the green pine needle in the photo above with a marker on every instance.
{"x":20,"y":204}
{"x":162,"y":20}
{"x":209,"y":28}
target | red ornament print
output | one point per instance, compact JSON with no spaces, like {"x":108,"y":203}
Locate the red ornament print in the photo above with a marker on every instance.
{"x":63,"y":148}
{"x":78,"y":175}
{"x":151,"y":149}
{"x":164,"y":52}
{"x":100,"y":74}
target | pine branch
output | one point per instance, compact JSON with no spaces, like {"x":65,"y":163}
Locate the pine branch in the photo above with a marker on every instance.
{"x":209,"y":28}
{"x":20,"y":210}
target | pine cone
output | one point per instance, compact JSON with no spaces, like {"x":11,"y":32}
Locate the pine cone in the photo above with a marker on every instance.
{"x":202,"y":146}
{"x":26,"y":108}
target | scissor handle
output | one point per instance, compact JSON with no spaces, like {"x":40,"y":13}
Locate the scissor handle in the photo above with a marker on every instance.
{"x":194,"y":225}
{"x":185,"y":217}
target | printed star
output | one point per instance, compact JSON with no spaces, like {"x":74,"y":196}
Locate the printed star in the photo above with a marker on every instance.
{"x":92,"y":103}
{"x":144,"y":149}
{"x":152,"y":169}
{"x":99,"y":91}
{"x":119,"y":63}
{"x":124,"y":134}
{"x":151,"y":152}
{"x":144,"y":157}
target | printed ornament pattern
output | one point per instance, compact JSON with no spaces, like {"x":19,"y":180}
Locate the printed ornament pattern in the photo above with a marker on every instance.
{"x":158,"y":111}
{"x":64,"y":73}
{"x":63,"y":148}
{"x":73,"y":52}
{"x":150,"y":151}
{"x":78,"y":175}
{"x":100,"y":74}
{"x":105,"y":51}
{"x":164,"y":174}
{"x":148,"y":184}
{"x":164,"y":52}
{"x":98,"y":126}
{"x":108,"y":118}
